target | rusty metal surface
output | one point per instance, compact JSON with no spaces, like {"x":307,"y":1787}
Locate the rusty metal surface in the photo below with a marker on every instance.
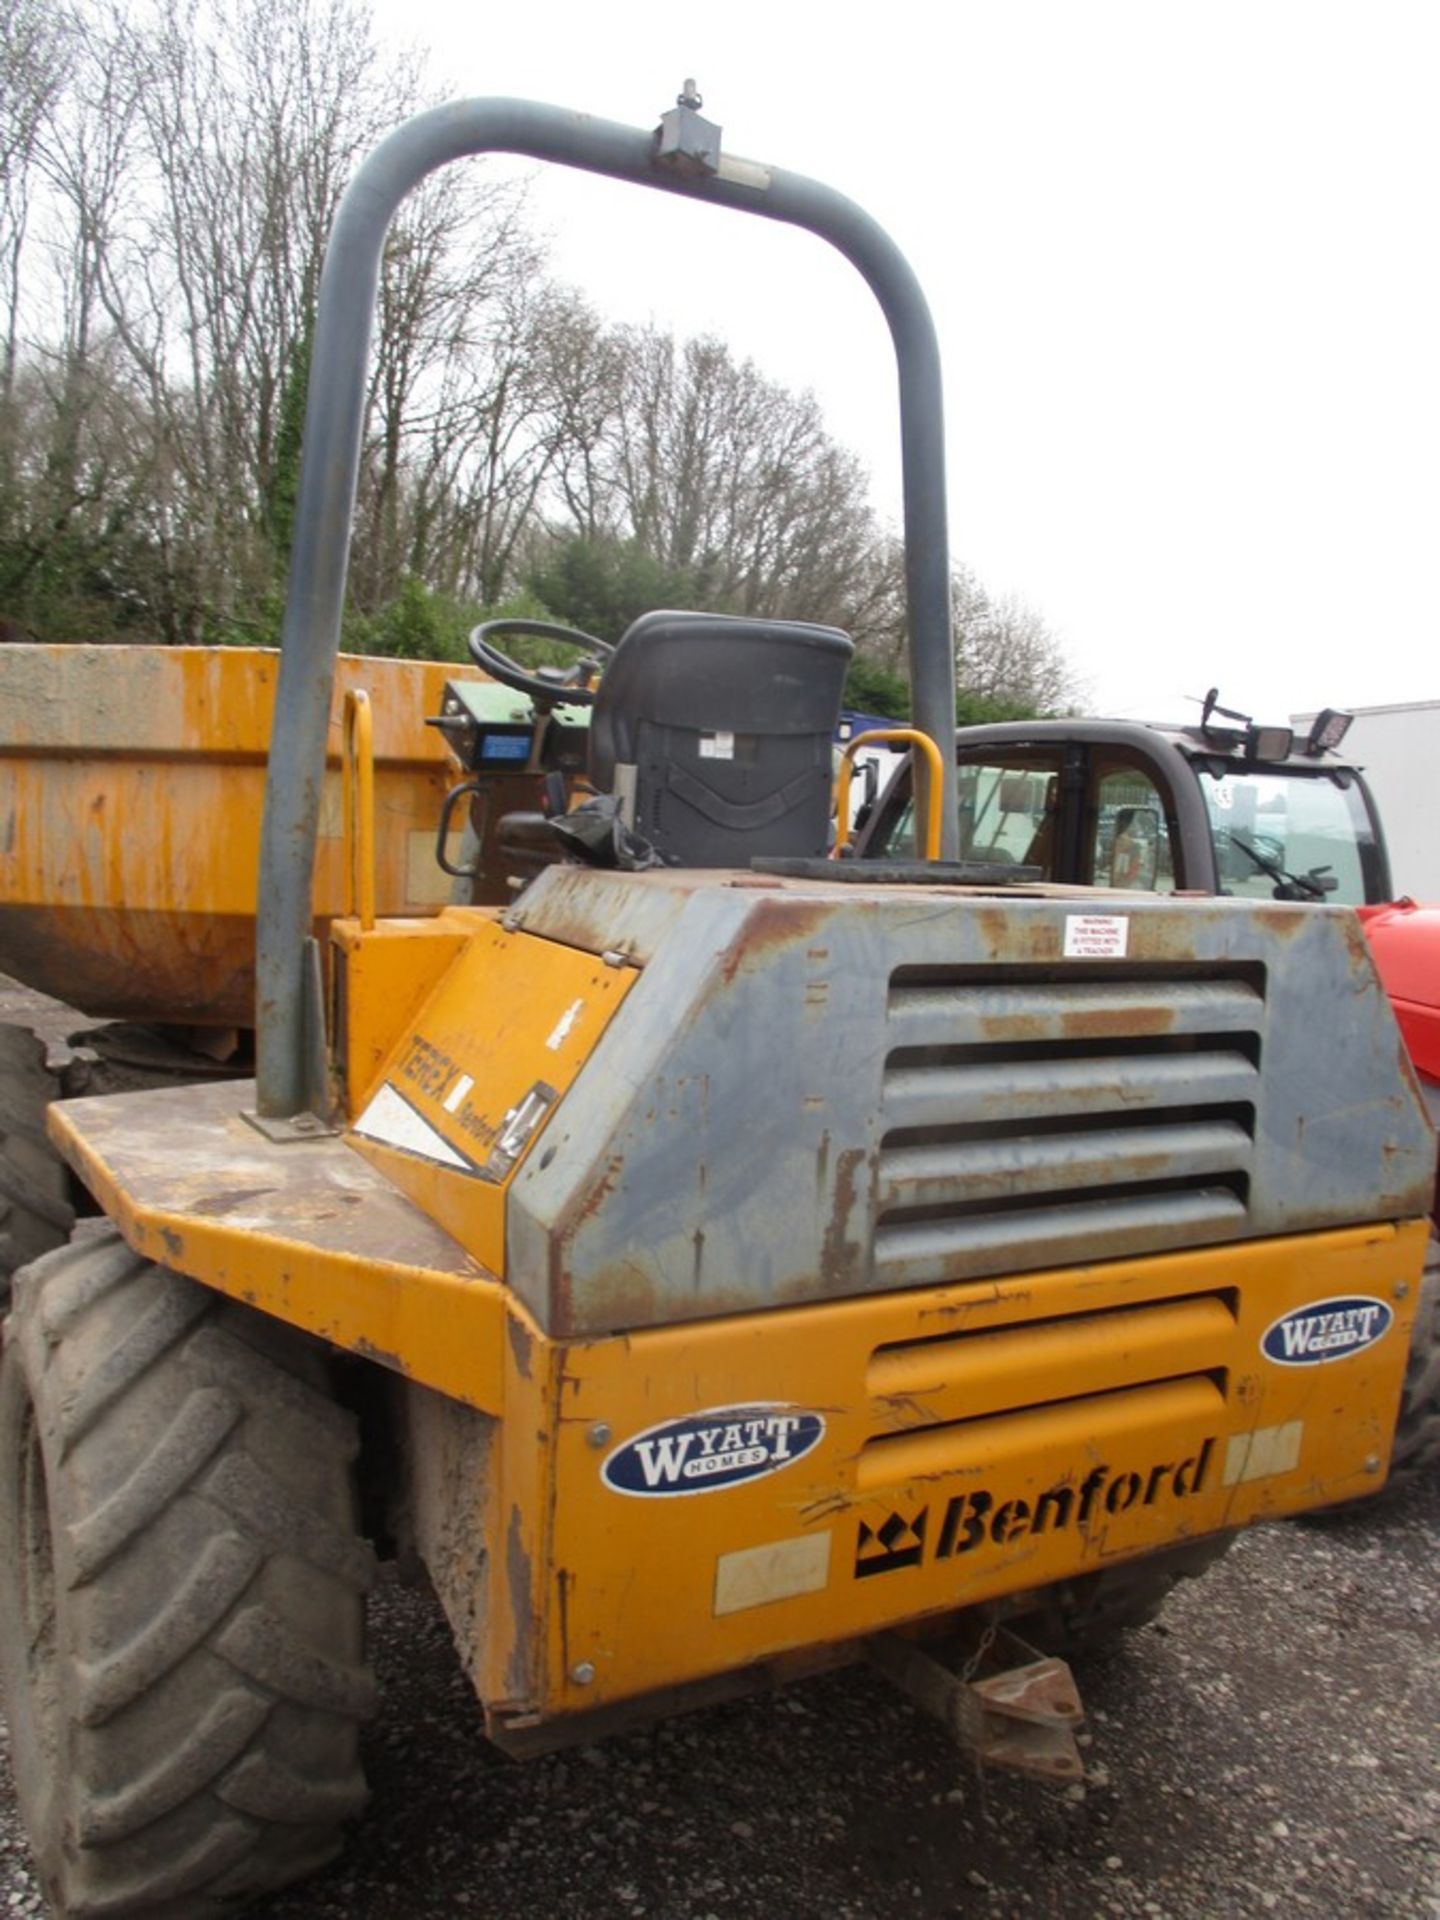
{"x":634,"y":913}
{"x":1020,"y":1717}
{"x":190,"y":1154}
{"x":625,"y":913}
{"x":1042,"y":1691}
{"x":130,"y":789}
{"x":306,"y":1231}
{"x":449,"y":1475}
{"x":815,"y":1091}
{"x":218,"y":701}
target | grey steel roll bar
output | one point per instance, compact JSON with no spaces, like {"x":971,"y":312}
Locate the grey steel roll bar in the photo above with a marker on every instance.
{"x":683,"y":156}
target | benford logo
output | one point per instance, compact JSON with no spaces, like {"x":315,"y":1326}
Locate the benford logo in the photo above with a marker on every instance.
{"x":718,"y":1447}
{"x":1326,"y":1330}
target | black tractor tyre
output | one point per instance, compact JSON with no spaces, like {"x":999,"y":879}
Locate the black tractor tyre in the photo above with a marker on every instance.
{"x":1081,"y":1616}
{"x":1417,"y":1434}
{"x":35,"y":1195}
{"x":181,"y":1591}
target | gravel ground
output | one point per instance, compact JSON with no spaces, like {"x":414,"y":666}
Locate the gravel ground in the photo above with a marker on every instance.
{"x":1272,"y":1745}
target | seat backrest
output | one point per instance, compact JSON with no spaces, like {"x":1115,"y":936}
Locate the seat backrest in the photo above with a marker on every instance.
{"x":717,"y":734}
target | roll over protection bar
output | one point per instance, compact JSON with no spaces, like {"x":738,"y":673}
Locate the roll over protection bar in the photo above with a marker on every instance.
{"x":683,"y":157}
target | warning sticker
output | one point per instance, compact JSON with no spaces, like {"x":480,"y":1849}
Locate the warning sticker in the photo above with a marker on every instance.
{"x":1096,"y":936}
{"x":392,"y":1120}
{"x":560,"y":1033}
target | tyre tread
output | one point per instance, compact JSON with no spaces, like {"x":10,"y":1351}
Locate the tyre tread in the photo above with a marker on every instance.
{"x":217,"y":1744}
{"x":267,"y":1789}
{"x":206,"y":1594}
{"x":256,"y":1643}
{"x":35,"y":1209}
{"x":208,"y":1589}
{"x":97,"y":1388}
{"x":200,"y":1427}
{"x":71,"y":1280}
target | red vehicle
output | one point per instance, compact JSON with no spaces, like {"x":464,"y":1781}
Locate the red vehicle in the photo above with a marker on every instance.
{"x":1405,"y":940}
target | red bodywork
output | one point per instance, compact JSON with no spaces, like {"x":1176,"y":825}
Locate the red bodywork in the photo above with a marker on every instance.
{"x":1405,"y":940}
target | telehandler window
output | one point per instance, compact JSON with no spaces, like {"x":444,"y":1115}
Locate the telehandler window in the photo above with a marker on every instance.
{"x":1288,"y":836}
{"x":1129,"y":837}
{"x":1007,"y":810}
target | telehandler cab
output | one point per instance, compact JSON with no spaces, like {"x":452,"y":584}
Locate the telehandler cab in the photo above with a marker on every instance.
{"x":687,"y":1349}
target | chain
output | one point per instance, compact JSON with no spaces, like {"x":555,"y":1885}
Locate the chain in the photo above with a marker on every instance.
{"x":977,"y":1659}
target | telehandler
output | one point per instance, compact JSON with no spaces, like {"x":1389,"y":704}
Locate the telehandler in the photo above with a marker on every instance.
{"x":718,"y":1263}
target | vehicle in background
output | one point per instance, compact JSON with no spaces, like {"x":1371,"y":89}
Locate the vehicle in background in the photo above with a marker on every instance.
{"x":1399,"y":747}
{"x":1223,"y":806}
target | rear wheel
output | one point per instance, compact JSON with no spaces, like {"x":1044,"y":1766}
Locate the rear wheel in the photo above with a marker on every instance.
{"x":1417,"y":1435}
{"x":181,"y":1590}
{"x":35,"y":1209}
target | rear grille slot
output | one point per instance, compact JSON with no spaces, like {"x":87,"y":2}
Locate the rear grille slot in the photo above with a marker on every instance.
{"x":975,"y":1398}
{"x":1005,"y":1171}
{"x":1071,"y":1428}
{"x":1041,"y":1118}
{"x":964,"y":1376}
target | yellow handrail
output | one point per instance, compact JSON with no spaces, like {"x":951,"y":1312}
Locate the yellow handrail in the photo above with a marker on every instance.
{"x":358,"y":796}
{"x":925,"y":747}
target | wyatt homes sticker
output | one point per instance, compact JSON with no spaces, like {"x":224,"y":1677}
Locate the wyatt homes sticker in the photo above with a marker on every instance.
{"x":719,"y":1447}
{"x":1326,"y":1330}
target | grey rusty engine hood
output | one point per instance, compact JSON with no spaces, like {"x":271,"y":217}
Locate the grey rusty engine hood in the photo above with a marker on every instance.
{"x":815,"y":1091}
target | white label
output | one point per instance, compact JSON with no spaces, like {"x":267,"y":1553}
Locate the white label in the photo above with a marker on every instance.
{"x":757,"y":1576}
{"x":717,"y":746}
{"x":392,"y":1120}
{"x":745,"y":173}
{"x":1096,"y":936}
{"x":458,"y":1092}
{"x":1263,"y":1454}
{"x":561,"y":1030}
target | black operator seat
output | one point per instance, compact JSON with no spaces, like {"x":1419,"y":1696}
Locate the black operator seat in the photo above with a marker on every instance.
{"x":716,"y":734}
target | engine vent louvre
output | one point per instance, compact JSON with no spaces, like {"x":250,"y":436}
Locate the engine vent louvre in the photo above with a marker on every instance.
{"x":1033,"y":1119}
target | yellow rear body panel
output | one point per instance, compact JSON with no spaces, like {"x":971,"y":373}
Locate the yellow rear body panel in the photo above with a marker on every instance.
{"x":939,"y":1481}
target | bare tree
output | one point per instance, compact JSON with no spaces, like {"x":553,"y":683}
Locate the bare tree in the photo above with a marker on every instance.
{"x":1006,"y":656}
{"x":460,"y":431}
{"x":584,"y":369}
{"x":33,"y":56}
{"x":185,"y":159}
{"x":717,"y":470}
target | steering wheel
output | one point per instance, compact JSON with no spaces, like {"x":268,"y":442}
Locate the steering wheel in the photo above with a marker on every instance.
{"x":547,"y":686}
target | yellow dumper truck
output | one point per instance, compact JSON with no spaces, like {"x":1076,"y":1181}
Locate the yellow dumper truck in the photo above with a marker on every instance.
{"x":714,"y":1262}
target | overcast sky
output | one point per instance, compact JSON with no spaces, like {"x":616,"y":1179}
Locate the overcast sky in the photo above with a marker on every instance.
{"x":1182,"y":258}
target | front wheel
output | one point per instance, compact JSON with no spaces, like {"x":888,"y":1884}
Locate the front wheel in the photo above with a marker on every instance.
{"x":181,"y":1590}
